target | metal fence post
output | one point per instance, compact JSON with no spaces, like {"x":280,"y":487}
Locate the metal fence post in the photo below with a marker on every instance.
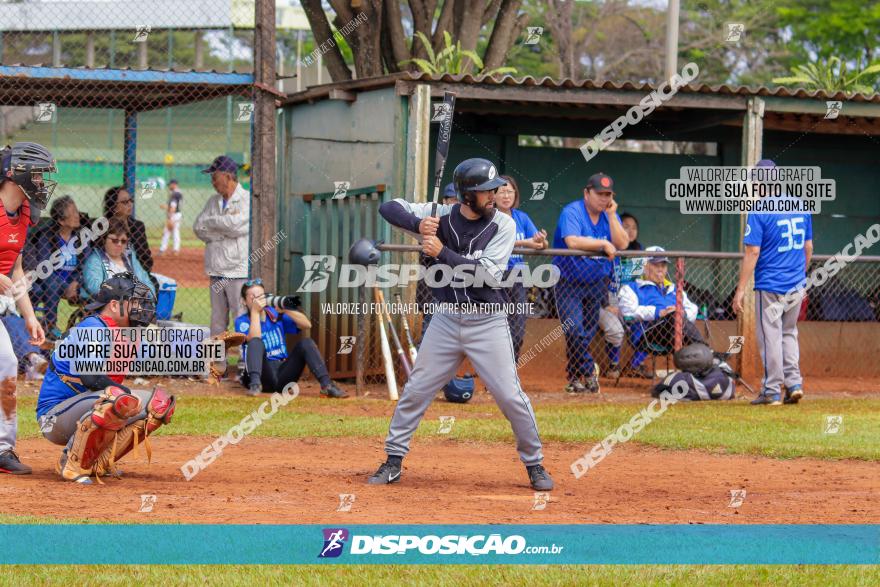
{"x":679,"y":301}
{"x":361,"y":344}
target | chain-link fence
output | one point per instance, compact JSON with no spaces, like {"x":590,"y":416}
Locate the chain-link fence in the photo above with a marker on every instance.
{"x":628,"y":325}
{"x":130,"y":97}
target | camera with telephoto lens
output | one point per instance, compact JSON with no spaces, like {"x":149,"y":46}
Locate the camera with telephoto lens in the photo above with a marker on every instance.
{"x":283,"y":302}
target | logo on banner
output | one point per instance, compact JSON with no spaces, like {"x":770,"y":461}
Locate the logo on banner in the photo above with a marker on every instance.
{"x":334,"y":540}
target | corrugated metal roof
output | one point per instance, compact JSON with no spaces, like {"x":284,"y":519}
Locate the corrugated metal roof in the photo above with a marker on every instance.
{"x":317,"y":92}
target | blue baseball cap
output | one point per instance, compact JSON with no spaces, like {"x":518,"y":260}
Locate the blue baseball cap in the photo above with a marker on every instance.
{"x":765,"y":163}
{"x":222,"y":163}
{"x":449,"y":191}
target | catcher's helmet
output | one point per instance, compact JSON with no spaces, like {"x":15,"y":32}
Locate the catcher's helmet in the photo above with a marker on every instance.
{"x":364,"y":252}
{"x":695,"y":358}
{"x":25,"y":164}
{"x":460,"y":390}
{"x":122,"y":287}
{"x":475,"y":175}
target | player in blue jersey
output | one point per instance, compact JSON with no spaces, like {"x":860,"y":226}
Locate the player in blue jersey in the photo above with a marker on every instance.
{"x":528,"y":236}
{"x":778,"y":248}
{"x":269,"y":367}
{"x":589,"y":224}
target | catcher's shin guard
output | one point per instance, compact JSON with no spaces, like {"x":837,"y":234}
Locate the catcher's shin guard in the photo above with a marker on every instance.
{"x":159,"y":409}
{"x":96,"y":432}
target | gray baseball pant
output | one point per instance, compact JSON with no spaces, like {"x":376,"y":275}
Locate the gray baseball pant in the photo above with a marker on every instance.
{"x":225,"y":299}
{"x":485,"y":340}
{"x":778,"y":343}
{"x":59,"y":423}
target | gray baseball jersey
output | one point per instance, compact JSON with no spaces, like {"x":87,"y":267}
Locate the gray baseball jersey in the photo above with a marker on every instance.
{"x":482,"y":337}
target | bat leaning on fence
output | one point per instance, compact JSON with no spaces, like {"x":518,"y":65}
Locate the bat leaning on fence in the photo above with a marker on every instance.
{"x":413,"y":353}
{"x":386,"y":353}
{"x":401,"y":354}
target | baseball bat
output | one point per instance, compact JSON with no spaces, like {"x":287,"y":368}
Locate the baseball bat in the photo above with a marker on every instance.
{"x":413,"y":353}
{"x":401,"y":355}
{"x":386,"y":355}
{"x":443,"y":137}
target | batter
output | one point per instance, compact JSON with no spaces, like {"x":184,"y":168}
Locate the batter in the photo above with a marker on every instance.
{"x":469,"y":233}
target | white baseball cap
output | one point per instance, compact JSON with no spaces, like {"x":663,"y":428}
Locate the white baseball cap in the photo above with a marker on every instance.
{"x":656,"y":249}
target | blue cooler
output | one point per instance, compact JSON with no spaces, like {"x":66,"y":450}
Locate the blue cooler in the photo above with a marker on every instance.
{"x":165,"y":297}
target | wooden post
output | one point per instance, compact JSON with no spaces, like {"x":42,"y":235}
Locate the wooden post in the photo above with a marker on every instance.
{"x":679,"y":302}
{"x":200,"y":50}
{"x":263,"y":196}
{"x":749,"y":359}
{"x":90,"y":49}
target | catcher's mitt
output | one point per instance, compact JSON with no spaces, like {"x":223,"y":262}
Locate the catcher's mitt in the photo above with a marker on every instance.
{"x":230,"y":340}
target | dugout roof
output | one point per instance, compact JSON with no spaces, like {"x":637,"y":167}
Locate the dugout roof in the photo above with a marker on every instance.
{"x":125,"y":89}
{"x":585,"y":106}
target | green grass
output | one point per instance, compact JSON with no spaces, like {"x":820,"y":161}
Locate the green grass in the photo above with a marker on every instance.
{"x":718,"y":427}
{"x":451,"y":576}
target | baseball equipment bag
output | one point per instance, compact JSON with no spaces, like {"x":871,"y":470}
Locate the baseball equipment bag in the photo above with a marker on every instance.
{"x":460,"y":390}
{"x":714,"y":384}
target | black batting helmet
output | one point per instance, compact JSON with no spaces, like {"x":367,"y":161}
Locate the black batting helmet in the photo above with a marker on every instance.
{"x":25,"y":164}
{"x":475,"y":175}
{"x":460,"y":390}
{"x":364,"y":252}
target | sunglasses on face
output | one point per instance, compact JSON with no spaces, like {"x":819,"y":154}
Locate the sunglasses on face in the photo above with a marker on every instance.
{"x":117,"y":240}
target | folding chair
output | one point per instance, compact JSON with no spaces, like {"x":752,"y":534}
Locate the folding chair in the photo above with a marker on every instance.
{"x":646,"y":346}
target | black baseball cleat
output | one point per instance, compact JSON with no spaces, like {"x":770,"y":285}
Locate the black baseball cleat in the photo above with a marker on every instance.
{"x":592,"y":382}
{"x":388,"y":473}
{"x":539,"y":478}
{"x":333,"y":391}
{"x":9,"y":463}
{"x":767,"y":399}
{"x":793,"y":395}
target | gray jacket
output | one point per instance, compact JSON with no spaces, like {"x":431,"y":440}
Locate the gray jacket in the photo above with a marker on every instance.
{"x":225,"y":231}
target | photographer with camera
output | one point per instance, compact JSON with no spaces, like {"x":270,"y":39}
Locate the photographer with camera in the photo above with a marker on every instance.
{"x":269,"y":367}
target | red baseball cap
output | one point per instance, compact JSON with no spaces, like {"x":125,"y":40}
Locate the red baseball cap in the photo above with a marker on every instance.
{"x":601,"y":183}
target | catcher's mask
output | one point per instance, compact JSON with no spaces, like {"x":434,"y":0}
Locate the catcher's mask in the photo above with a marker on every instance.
{"x":126,"y":287}
{"x":26,"y":165}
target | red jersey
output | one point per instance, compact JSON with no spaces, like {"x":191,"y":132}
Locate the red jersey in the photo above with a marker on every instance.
{"x":13,"y":234}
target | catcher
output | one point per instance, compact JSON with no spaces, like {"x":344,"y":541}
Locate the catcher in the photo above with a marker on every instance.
{"x":95,"y":417}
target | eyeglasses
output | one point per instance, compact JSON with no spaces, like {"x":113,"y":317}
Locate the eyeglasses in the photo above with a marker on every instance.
{"x":118,"y":241}
{"x":253,"y":282}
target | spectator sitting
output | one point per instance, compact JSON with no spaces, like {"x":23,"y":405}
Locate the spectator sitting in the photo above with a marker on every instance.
{"x":651,"y":302}
{"x":626,"y":269}
{"x":269,"y":367}
{"x":118,"y":203}
{"x":30,"y":360}
{"x":44,"y":239}
{"x":110,"y":257}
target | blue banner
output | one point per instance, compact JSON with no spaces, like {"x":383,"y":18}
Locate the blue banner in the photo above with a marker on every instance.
{"x":440,"y":544}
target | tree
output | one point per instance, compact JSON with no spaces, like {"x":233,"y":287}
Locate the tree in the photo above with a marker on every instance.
{"x":378,"y":31}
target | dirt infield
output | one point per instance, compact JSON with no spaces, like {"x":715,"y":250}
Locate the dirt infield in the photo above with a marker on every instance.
{"x":299,"y":481}
{"x":187,"y":268}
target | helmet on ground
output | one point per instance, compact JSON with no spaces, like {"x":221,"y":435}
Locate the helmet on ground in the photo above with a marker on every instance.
{"x":364,"y":252}
{"x":460,"y":390}
{"x":694,"y":358}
